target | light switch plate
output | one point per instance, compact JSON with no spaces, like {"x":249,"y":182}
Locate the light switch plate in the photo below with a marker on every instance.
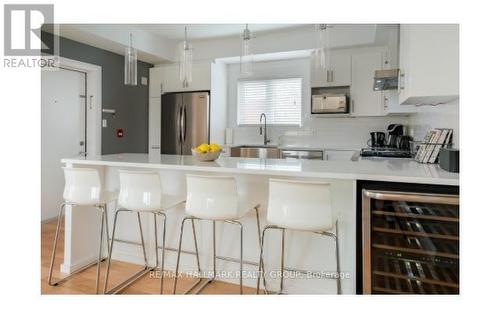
{"x":144,"y":81}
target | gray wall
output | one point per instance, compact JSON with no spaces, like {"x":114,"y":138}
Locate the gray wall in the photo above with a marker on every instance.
{"x":130,"y":102}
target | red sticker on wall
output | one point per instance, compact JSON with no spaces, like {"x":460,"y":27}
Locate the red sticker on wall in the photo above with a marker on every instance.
{"x":119,"y":132}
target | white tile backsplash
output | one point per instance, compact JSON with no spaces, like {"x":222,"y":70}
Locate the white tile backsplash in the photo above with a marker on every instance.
{"x":441,"y":116}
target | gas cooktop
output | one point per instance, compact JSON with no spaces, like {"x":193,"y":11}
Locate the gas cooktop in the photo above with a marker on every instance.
{"x":385,"y":152}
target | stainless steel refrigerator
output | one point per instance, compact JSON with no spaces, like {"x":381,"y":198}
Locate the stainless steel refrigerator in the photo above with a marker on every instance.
{"x":185,"y":121}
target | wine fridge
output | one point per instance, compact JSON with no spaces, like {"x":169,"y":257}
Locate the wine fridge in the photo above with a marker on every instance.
{"x":410,"y":242}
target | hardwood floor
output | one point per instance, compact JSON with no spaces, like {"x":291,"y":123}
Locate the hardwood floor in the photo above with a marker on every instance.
{"x":84,"y":282}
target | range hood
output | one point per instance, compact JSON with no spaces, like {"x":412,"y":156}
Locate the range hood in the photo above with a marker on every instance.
{"x":386,"y":80}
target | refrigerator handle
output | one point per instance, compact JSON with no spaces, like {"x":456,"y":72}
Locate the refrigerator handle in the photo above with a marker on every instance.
{"x":184,"y":124}
{"x":179,"y":114}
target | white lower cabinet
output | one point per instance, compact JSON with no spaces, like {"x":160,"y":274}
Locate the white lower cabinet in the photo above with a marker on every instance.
{"x":339,"y":155}
{"x":364,"y":100}
{"x":154,"y":125}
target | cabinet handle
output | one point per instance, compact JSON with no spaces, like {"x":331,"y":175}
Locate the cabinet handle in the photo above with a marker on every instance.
{"x":352,"y":105}
{"x":401,"y":81}
{"x":161,"y":88}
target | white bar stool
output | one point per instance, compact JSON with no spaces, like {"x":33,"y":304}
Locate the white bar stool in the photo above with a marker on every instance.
{"x":302,"y":206}
{"x":141,"y":192}
{"x":83,"y":188}
{"x":214,"y":198}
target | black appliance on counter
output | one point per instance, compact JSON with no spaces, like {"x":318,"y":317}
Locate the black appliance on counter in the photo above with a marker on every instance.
{"x":397,"y":145}
{"x":385,"y":152}
{"x":407,"y":238}
{"x":393,"y":133}
{"x":377,"y":139}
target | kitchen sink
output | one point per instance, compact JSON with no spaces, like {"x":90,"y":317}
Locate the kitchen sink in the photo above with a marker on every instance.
{"x":263,"y":152}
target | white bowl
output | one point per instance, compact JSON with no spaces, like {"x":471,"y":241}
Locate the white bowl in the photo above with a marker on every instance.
{"x":207,"y":156}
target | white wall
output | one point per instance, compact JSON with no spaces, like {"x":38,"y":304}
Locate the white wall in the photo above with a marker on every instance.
{"x":441,"y":116}
{"x":331,"y":132}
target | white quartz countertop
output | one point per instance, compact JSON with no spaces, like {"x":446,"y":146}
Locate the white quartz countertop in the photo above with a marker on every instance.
{"x":391,"y":170}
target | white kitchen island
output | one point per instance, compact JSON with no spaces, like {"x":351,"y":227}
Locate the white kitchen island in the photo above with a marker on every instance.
{"x":303,"y":251}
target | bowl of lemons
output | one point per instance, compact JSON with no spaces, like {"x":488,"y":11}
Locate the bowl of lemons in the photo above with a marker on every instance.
{"x":207,"y":152}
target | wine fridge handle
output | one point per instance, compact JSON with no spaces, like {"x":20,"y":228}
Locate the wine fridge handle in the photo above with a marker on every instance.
{"x":413,"y":197}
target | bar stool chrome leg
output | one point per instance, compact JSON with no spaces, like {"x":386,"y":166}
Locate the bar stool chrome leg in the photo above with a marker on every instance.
{"x":142,"y":239}
{"x":328,"y":234}
{"x":282,"y":260}
{"x":179,"y":255}
{"x":260,"y":244}
{"x":200,"y":279}
{"x":261,"y":259}
{"x":337,"y":256}
{"x":156,"y":241}
{"x":127,"y":282}
{"x":54,"y":249}
{"x":241,"y":251}
{"x":164,"y":241}
{"x":101,"y":233}
{"x":214,"y":255}
{"x":61,"y":209}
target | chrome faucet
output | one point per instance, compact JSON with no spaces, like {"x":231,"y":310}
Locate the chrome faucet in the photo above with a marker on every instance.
{"x":266,"y":141}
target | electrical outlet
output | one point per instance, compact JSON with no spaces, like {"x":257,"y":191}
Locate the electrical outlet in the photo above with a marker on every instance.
{"x":144,"y":81}
{"x":104,"y":123}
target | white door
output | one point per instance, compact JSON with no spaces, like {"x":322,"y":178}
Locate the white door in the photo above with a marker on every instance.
{"x":63,"y":131}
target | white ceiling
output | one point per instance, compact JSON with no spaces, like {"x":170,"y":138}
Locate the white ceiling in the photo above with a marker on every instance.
{"x":206,"y":31}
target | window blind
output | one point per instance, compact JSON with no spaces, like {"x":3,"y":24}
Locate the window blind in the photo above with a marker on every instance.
{"x":279,"y":99}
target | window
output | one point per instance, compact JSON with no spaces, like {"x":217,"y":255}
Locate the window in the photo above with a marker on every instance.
{"x":279,"y":99}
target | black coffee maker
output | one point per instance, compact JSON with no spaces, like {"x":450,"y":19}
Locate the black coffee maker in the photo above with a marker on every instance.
{"x":394,"y":131}
{"x":377,"y":139}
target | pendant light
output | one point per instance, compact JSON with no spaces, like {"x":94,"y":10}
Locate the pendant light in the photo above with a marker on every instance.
{"x":321,"y":51}
{"x":130,"y":74}
{"x":246,"y":57}
{"x":186,"y":61}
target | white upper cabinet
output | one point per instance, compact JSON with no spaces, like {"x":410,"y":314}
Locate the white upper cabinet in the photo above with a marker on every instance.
{"x":157,"y":81}
{"x":364,"y":100}
{"x":200,"y":82}
{"x":165,"y":79}
{"x":339,"y":75}
{"x":429,"y":64}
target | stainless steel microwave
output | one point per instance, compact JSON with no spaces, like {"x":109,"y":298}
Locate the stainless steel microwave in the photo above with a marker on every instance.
{"x":329,"y":104}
